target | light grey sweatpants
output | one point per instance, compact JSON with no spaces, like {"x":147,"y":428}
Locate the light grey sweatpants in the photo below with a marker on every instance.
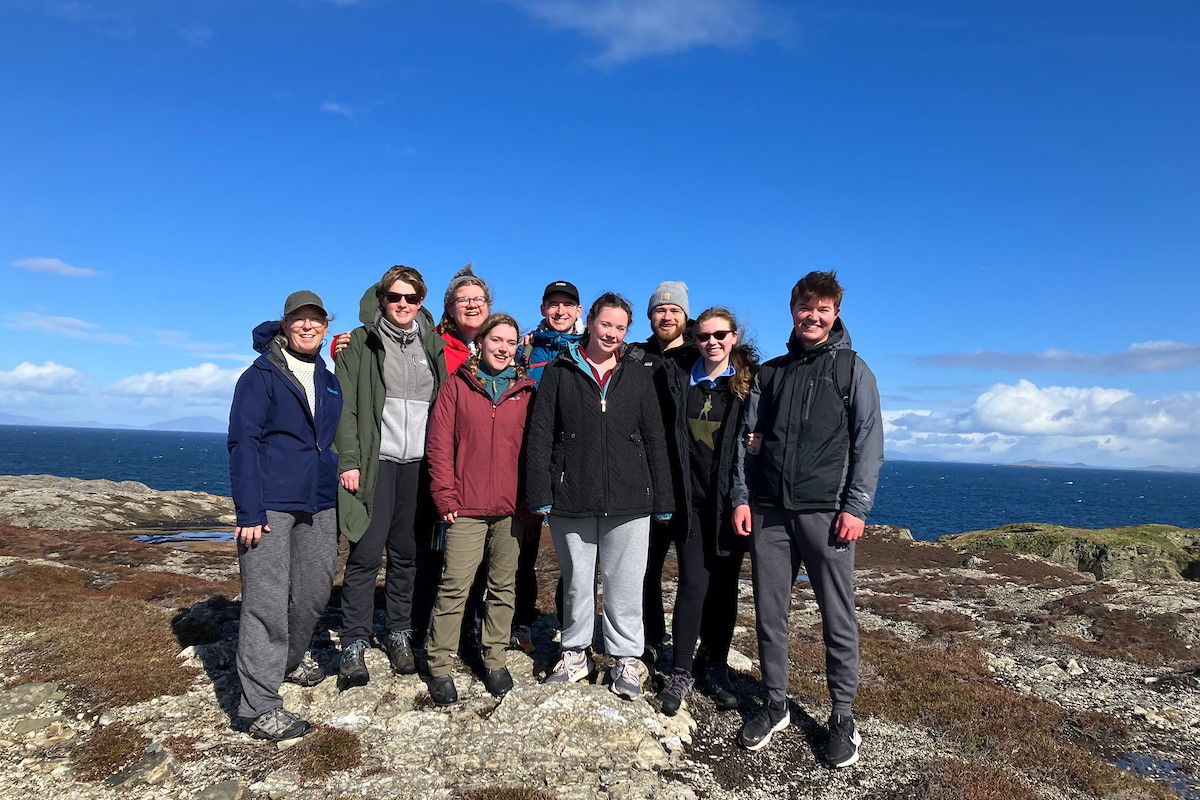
{"x":779,"y":542}
{"x":623,"y":544}
{"x":286,"y":581}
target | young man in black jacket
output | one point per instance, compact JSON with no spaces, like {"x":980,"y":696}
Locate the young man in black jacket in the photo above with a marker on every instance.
{"x":814,"y":437}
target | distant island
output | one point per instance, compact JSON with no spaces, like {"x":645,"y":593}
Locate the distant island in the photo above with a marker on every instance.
{"x":184,"y":424}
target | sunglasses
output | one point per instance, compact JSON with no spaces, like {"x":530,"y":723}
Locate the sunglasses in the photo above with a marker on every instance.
{"x":396,"y":297}
{"x":702,"y":338}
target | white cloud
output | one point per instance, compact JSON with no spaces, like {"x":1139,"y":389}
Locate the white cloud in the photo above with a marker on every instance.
{"x":46,"y":378}
{"x":205,"y":384}
{"x":207,"y":350}
{"x":69,"y":327}
{"x":54,"y":266}
{"x":1096,"y":425}
{"x":632,"y":29}
{"x":195,"y":34}
{"x":338,"y":108}
{"x":1163,"y":356}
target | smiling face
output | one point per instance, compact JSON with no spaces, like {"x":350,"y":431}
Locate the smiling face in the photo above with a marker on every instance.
{"x":716,"y":350}
{"x":305,"y":328}
{"x":497,"y":347}
{"x":561,"y":310}
{"x":667,"y":320}
{"x":813,"y":320}
{"x":396,"y":306}
{"x":607,"y":331}
{"x":469,"y":309}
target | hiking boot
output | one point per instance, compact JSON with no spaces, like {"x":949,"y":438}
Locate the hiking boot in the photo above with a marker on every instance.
{"x":677,"y":688}
{"x":277,"y":725}
{"x":497,"y":681}
{"x":844,"y":739}
{"x":720,"y":687}
{"x":757,"y":731}
{"x":353,"y":669}
{"x":442,"y":690}
{"x":573,"y":665}
{"x":627,"y":678}
{"x":398,"y":647}
{"x":522,"y":639}
{"x":307,"y":673}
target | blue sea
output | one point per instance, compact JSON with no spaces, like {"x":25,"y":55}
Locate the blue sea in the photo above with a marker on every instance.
{"x":930,"y":499}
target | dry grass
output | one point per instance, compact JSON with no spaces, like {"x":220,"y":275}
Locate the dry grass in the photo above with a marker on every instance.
{"x":506,"y":793}
{"x":325,"y":750}
{"x":947,"y":779}
{"x":109,"y":750}
{"x":1118,"y":633}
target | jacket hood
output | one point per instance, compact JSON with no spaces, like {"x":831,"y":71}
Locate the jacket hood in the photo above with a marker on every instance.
{"x":263,"y":334}
{"x":369,"y":312}
{"x":839,"y":339}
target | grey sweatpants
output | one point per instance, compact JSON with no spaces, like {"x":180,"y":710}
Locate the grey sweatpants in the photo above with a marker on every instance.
{"x":622,"y":544}
{"x":286,"y":581}
{"x":779,"y":542}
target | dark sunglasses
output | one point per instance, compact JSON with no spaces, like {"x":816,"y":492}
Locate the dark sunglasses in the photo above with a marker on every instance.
{"x":396,"y":297}
{"x":718,"y":335}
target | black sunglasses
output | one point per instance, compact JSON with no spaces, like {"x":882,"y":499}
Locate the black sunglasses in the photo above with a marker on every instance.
{"x":396,"y":297}
{"x":718,"y":335}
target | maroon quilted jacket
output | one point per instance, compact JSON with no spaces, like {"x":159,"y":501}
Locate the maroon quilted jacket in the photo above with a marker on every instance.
{"x":475,"y":446}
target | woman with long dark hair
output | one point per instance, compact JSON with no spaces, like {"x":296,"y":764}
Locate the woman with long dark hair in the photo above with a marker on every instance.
{"x":708,"y":399}
{"x":597,"y":464}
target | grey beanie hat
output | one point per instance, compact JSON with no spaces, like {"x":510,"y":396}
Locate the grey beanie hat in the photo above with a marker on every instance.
{"x":465,"y":277}
{"x":673,"y":292}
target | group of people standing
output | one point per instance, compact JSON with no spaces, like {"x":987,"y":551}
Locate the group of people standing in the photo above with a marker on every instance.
{"x":446,"y":445}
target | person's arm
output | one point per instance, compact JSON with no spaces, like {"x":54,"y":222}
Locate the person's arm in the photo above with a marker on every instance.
{"x":440,"y":450}
{"x":654,"y":438}
{"x":866,"y":453}
{"x":345,"y":441}
{"x":247,"y":429}
{"x":539,"y":442}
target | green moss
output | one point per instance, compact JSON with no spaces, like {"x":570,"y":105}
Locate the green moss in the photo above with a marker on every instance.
{"x":1041,"y":539}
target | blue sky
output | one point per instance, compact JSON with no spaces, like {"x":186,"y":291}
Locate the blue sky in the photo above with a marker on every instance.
{"x":1007,"y":189}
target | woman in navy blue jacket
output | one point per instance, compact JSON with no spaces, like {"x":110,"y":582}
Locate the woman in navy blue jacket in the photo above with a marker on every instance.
{"x":284,"y":476}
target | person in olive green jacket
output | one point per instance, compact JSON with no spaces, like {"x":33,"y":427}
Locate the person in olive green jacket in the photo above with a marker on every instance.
{"x":390,"y":374}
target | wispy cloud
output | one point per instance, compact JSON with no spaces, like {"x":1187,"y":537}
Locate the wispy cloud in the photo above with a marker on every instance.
{"x":201,"y":385}
{"x":195,"y":34}
{"x":45,"y":378}
{"x":70,"y":327}
{"x":1140,"y":357}
{"x":207,"y":350}
{"x":338,"y":108}
{"x":353,"y":111}
{"x":54,"y":266}
{"x":631,"y":29}
{"x":81,"y":13}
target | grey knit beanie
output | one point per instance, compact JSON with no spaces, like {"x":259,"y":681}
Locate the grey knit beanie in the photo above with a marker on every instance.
{"x":465,"y":277}
{"x":670,"y":292}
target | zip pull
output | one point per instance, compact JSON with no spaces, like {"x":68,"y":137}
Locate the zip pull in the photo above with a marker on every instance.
{"x":493,"y":412}
{"x":603,"y":404}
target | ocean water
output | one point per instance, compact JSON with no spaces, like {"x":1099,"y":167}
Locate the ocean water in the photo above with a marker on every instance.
{"x":930,"y":499}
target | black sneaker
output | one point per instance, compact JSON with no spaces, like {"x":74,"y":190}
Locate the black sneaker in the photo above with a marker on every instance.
{"x":756,"y":733}
{"x":720,"y":687}
{"x":677,"y":688}
{"x":498,"y":681}
{"x":844,"y":739}
{"x":353,"y":669}
{"x":442,"y":690}
{"x":398,"y":647}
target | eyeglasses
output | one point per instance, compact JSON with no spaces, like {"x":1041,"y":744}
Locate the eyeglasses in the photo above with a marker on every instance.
{"x":316,"y":322}
{"x":702,"y":338}
{"x":396,"y":297}
{"x":469,"y":301}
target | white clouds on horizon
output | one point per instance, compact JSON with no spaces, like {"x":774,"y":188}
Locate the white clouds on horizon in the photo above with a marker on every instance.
{"x":46,"y":378}
{"x":70,"y":327}
{"x":204,"y":384}
{"x":54,"y":266}
{"x":1103,"y":426}
{"x":631,"y":29}
{"x":1141,"y":357}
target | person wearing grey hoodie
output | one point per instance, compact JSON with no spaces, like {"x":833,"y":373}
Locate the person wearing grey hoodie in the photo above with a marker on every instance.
{"x":390,"y":373}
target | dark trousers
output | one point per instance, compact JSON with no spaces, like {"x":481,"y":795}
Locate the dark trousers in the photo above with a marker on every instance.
{"x":780,"y":541}
{"x":662,"y":534}
{"x":401,"y":525}
{"x":526,"y":582}
{"x":707,"y":594}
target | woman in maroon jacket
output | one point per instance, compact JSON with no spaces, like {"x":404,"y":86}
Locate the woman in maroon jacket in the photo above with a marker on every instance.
{"x":476,"y":433}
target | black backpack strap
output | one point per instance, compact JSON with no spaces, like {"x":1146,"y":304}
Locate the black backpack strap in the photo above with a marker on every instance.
{"x":843,"y":374}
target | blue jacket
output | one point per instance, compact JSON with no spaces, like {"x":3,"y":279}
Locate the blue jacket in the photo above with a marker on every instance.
{"x":280,"y":456}
{"x":544,"y":345}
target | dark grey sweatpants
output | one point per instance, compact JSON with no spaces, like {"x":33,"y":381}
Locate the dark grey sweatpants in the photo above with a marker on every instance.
{"x":779,"y":542}
{"x":286,"y":581}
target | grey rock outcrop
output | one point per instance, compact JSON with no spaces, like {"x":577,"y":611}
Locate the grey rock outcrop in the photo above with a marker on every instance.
{"x":48,"y":501}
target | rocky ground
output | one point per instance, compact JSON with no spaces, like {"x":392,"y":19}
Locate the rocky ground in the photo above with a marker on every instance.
{"x":984,"y":675}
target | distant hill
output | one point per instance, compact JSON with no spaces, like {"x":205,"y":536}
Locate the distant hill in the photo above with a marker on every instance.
{"x":186,"y":424}
{"x":896,"y":455}
{"x":1033,"y":462}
